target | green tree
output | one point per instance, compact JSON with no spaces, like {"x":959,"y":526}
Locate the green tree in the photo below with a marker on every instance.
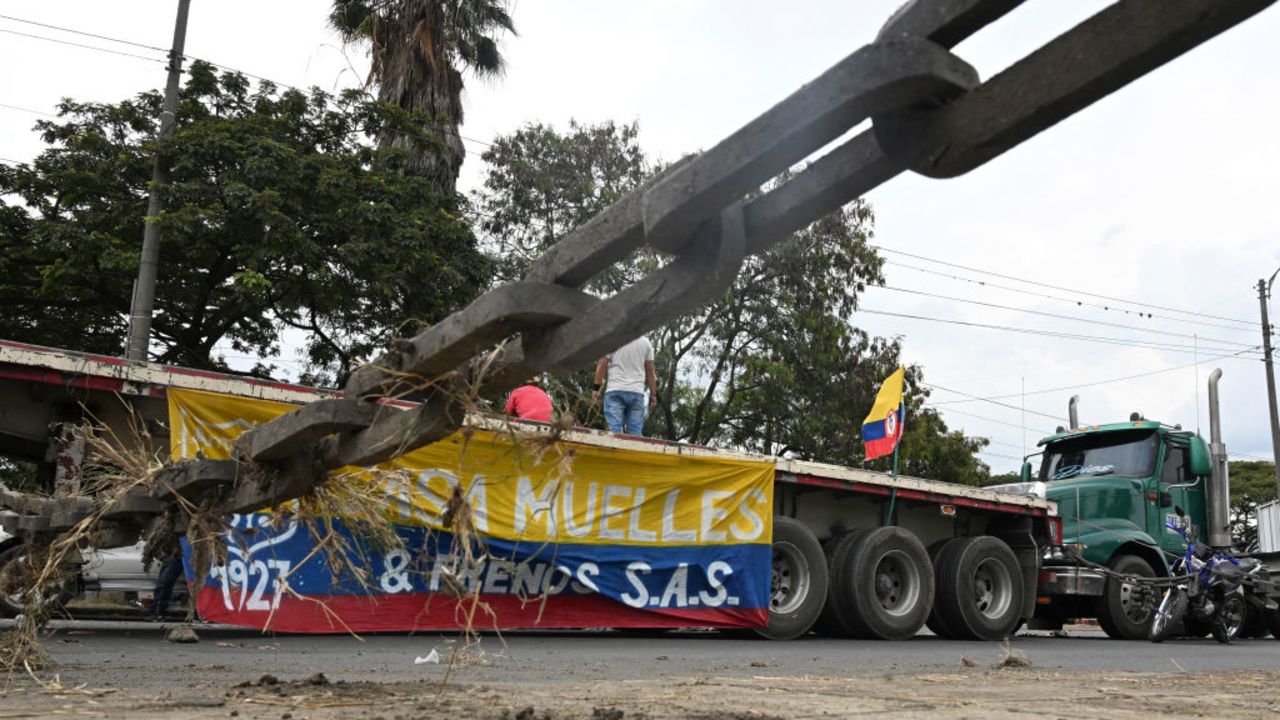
{"x":541,"y":183}
{"x":279,"y":215}
{"x":1004,"y":478}
{"x":19,"y":475}
{"x":1252,"y":484}
{"x":419,"y":50}
{"x":772,"y":366}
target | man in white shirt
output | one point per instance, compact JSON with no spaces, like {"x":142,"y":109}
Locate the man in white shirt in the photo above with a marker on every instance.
{"x":629,"y":370}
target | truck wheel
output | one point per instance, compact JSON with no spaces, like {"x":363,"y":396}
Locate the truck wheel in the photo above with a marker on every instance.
{"x":798,"y":584}
{"x":885,"y":585}
{"x":15,"y":579}
{"x":979,"y":588}
{"x":935,"y":622}
{"x":1124,"y":610}
{"x":829,"y":622}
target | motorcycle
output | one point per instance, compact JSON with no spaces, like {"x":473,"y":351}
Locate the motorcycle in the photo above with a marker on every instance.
{"x":1208,"y":589}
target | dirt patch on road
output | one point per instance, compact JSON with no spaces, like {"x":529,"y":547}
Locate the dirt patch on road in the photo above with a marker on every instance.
{"x":964,"y":693}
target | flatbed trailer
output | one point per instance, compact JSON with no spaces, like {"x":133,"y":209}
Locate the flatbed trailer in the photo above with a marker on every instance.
{"x":853,"y":552}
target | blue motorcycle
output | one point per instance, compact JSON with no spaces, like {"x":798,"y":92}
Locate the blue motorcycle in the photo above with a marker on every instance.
{"x":1207,"y":589}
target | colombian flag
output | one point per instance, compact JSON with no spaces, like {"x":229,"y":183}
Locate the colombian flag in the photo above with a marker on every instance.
{"x":884,"y":424}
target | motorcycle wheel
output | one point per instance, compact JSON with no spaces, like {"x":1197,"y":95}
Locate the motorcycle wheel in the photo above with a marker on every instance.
{"x":1229,"y":619}
{"x":1172,"y":607}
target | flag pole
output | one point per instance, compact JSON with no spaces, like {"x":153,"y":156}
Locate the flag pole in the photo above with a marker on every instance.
{"x":893,"y":491}
{"x":902,"y":432}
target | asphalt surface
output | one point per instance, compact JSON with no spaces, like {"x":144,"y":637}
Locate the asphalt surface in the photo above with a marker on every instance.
{"x":135,"y":655}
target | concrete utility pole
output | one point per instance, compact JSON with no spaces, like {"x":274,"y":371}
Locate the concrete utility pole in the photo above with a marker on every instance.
{"x":1264,"y":290}
{"x":144,"y":288}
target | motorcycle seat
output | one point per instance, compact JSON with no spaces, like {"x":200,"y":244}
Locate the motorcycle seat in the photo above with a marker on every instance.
{"x":1232,"y":571}
{"x":1248,"y":564}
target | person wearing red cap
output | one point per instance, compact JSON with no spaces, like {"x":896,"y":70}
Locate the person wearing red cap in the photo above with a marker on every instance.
{"x":529,"y":402}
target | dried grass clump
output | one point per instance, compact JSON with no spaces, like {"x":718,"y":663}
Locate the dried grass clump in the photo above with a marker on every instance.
{"x":1011,"y":658}
{"x":113,"y":466}
{"x":117,"y":463}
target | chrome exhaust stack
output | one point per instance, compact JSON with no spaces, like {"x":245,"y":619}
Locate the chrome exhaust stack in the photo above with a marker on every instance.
{"x":1073,"y":413}
{"x":1219,"y":492}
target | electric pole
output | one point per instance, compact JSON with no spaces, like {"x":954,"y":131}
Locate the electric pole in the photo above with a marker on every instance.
{"x":144,"y":288}
{"x":1264,"y":287}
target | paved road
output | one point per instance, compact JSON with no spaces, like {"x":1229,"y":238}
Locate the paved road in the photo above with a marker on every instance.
{"x":135,"y":655}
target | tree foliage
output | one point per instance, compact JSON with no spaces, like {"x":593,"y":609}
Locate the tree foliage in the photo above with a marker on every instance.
{"x":773,"y":366}
{"x":541,"y":183}
{"x":419,"y":50}
{"x":279,"y":215}
{"x":1253,"y":483}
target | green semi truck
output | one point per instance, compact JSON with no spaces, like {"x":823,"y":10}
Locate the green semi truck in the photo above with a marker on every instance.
{"x":1115,"y":486}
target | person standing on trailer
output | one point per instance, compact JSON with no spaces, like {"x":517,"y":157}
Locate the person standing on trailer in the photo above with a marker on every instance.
{"x":625,"y":373}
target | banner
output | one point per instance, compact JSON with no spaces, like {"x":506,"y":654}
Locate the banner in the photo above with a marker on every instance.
{"x":884,"y":425}
{"x":565,"y":535}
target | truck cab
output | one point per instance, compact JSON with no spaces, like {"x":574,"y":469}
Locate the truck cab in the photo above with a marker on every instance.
{"x":1115,"y":485}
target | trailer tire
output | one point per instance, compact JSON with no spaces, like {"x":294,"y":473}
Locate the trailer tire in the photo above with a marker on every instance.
{"x":1123,"y":613}
{"x":830,"y":623}
{"x":979,"y":588}
{"x":885,"y":585}
{"x":935,"y":623}
{"x":798,"y":582}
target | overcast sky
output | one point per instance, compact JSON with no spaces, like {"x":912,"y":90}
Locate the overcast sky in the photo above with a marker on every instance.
{"x":1164,"y":194}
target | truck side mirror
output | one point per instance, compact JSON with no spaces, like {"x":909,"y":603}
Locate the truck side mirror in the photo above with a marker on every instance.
{"x":1026,"y":472}
{"x":1201,"y":463}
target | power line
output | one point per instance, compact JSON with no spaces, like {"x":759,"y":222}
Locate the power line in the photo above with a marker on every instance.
{"x":1002,"y":444}
{"x":82,"y":45}
{"x":220,"y":66}
{"x":1076,"y":302}
{"x":991,"y":420}
{"x":28,"y":110}
{"x":991,"y":401}
{"x":988,"y":453}
{"x":1098,"y":382}
{"x":1065,"y":289}
{"x":1029,"y":311}
{"x":82,"y":32}
{"x":1148,"y":345}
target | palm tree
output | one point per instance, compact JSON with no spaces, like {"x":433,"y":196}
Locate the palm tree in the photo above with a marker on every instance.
{"x":420,"y":49}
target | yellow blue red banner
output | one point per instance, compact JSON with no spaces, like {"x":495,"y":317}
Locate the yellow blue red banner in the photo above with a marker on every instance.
{"x":570,"y":534}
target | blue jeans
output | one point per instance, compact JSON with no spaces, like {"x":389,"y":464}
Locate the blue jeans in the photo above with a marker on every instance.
{"x":169,"y":574}
{"x":624,"y":412}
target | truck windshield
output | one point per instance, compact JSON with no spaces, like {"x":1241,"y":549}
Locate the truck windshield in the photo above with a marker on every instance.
{"x":1130,"y":454}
